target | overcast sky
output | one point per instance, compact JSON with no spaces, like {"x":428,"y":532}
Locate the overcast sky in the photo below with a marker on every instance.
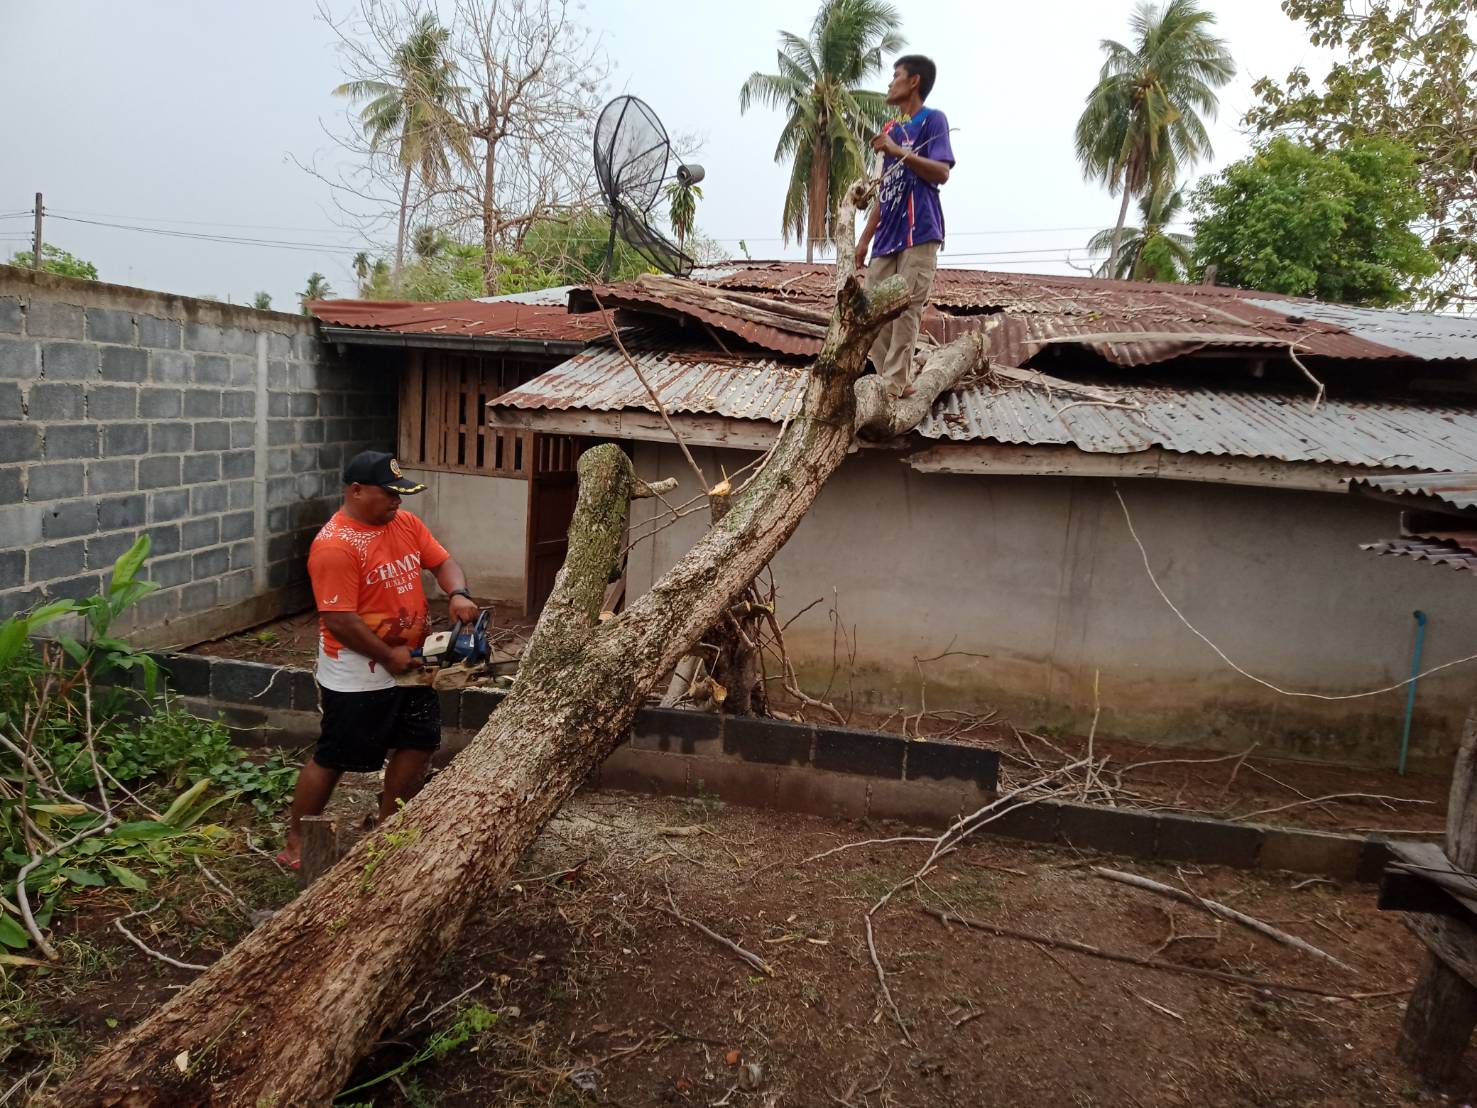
{"x":187,"y":115}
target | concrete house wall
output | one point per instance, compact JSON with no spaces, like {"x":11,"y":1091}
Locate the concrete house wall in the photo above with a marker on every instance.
{"x":483,"y":521}
{"x":219,"y":431}
{"x":1040,"y":575}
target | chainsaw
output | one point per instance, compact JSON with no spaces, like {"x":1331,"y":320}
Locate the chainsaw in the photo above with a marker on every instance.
{"x":456,"y":659}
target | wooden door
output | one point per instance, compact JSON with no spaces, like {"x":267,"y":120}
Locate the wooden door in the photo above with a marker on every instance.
{"x":552,"y":490}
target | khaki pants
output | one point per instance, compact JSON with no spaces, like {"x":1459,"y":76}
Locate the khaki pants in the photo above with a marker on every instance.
{"x":892,"y":352}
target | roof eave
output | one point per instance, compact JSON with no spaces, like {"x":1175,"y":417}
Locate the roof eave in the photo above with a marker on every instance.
{"x":418,"y":340}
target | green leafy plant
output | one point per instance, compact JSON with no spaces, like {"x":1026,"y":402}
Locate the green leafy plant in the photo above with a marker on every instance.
{"x":106,"y":780}
{"x":1333,"y":224}
{"x":56,"y":260}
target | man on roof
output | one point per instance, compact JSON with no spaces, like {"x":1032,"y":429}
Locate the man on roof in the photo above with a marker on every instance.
{"x":905,"y":227}
{"x":365,"y":567}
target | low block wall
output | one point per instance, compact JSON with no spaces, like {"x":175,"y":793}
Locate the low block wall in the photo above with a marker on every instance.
{"x":804,"y":768}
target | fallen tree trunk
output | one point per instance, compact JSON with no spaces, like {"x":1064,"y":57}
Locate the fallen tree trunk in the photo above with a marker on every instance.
{"x":282,"y":1018}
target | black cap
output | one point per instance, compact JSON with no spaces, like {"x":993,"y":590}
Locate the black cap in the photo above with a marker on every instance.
{"x":371,"y":467}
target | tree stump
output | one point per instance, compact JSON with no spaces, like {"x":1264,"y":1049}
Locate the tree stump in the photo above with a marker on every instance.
{"x":320,"y":850}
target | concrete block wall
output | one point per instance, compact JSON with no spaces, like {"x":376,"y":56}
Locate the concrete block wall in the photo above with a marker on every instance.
{"x":218,"y":431}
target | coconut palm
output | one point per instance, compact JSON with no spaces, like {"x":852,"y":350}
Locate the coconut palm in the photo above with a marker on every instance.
{"x":1143,"y":121}
{"x":362,"y":266}
{"x":262,"y":301}
{"x":318,"y":289}
{"x":682,"y":198}
{"x":819,"y":86}
{"x":1150,"y":252}
{"x":412,"y":112}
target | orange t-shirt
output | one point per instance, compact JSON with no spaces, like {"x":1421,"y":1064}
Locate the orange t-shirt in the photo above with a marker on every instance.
{"x":375,"y":571}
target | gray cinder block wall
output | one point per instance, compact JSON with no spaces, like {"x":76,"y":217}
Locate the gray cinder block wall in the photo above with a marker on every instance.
{"x":219,"y":431}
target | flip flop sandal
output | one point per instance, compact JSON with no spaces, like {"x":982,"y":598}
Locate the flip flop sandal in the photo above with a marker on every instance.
{"x":283,"y":860}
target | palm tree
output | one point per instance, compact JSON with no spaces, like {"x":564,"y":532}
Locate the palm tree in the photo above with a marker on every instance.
{"x":318,"y":289}
{"x":819,"y":85}
{"x":412,"y":112}
{"x":682,"y":198}
{"x":1142,"y":124}
{"x":262,"y":301}
{"x":1150,"y":252}
{"x":361,"y":265}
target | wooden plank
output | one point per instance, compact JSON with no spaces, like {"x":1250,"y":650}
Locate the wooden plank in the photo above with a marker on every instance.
{"x":1442,"y":1010}
{"x":408,"y":445}
{"x":1427,"y":861}
{"x":1402,"y":891}
{"x":1451,"y":940}
{"x":736,"y":434}
{"x":1002,"y":459}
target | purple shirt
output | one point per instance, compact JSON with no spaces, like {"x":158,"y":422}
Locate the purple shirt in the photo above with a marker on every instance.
{"x":911,"y":213}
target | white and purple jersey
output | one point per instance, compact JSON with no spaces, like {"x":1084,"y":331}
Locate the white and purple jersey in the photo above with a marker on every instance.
{"x":911,"y":212}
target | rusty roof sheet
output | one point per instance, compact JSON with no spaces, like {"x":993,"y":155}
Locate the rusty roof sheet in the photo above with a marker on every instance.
{"x":1050,"y":308}
{"x":689,"y":381}
{"x":693,"y":379}
{"x":465,"y":318}
{"x":1458,"y":490}
{"x":1436,"y":551}
{"x":632,"y":296}
{"x":1210,"y":421}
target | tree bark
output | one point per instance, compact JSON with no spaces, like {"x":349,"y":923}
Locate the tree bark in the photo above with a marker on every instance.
{"x":489,"y":221}
{"x":282,"y":1018}
{"x":1442,"y":1011}
{"x":1118,"y":233}
{"x":880,"y":417}
{"x":400,"y":234}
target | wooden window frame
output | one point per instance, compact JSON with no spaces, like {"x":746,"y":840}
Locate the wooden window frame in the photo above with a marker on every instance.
{"x":443,"y":415}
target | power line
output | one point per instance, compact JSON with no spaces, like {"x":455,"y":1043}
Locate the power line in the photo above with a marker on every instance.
{"x":197,"y":222}
{"x":233,"y":240}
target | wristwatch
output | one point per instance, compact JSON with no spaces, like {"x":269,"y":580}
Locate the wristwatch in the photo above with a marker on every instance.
{"x":460,"y":592}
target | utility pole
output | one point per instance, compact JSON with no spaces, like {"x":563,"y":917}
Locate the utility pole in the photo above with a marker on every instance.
{"x":36,"y":241}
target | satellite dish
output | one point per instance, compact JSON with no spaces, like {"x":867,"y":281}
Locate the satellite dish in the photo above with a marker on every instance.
{"x":631,"y":156}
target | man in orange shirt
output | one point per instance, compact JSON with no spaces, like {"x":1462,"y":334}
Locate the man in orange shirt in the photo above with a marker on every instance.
{"x":365,"y":566}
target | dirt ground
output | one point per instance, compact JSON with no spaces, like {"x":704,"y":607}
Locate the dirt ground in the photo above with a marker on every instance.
{"x":1266,"y":790}
{"x":597,"y":996}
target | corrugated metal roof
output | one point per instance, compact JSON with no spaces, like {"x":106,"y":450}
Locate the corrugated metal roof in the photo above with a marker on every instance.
{"x":468,"y":318}
{"x":1425,"y":335}
{"x":1456,"y":489}
{"x":557,"y":295}
{"x":1426,"y":550}
{"x":633,"y":296}
{"x":689,"y":381}
{"x":1050,"y":307}
{"x":1190,"y":421}
{"x":1208,"y":421}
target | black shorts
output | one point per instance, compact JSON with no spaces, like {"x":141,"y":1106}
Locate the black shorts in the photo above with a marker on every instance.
{"x":359,"y":728}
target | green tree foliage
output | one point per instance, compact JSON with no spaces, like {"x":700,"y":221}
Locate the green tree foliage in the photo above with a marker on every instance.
{"x":1142,"y":125}
{"x":318,"y":289}
{"x":56,"y":260}
{"x":1333,"y":224}
{"x":262,"y":301}
{"x":1405,"y":73}
{"x":569,"y":250}
{"x":1150,"y":252}
{"x":828,"y":112}
{"x":413,"y":112}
